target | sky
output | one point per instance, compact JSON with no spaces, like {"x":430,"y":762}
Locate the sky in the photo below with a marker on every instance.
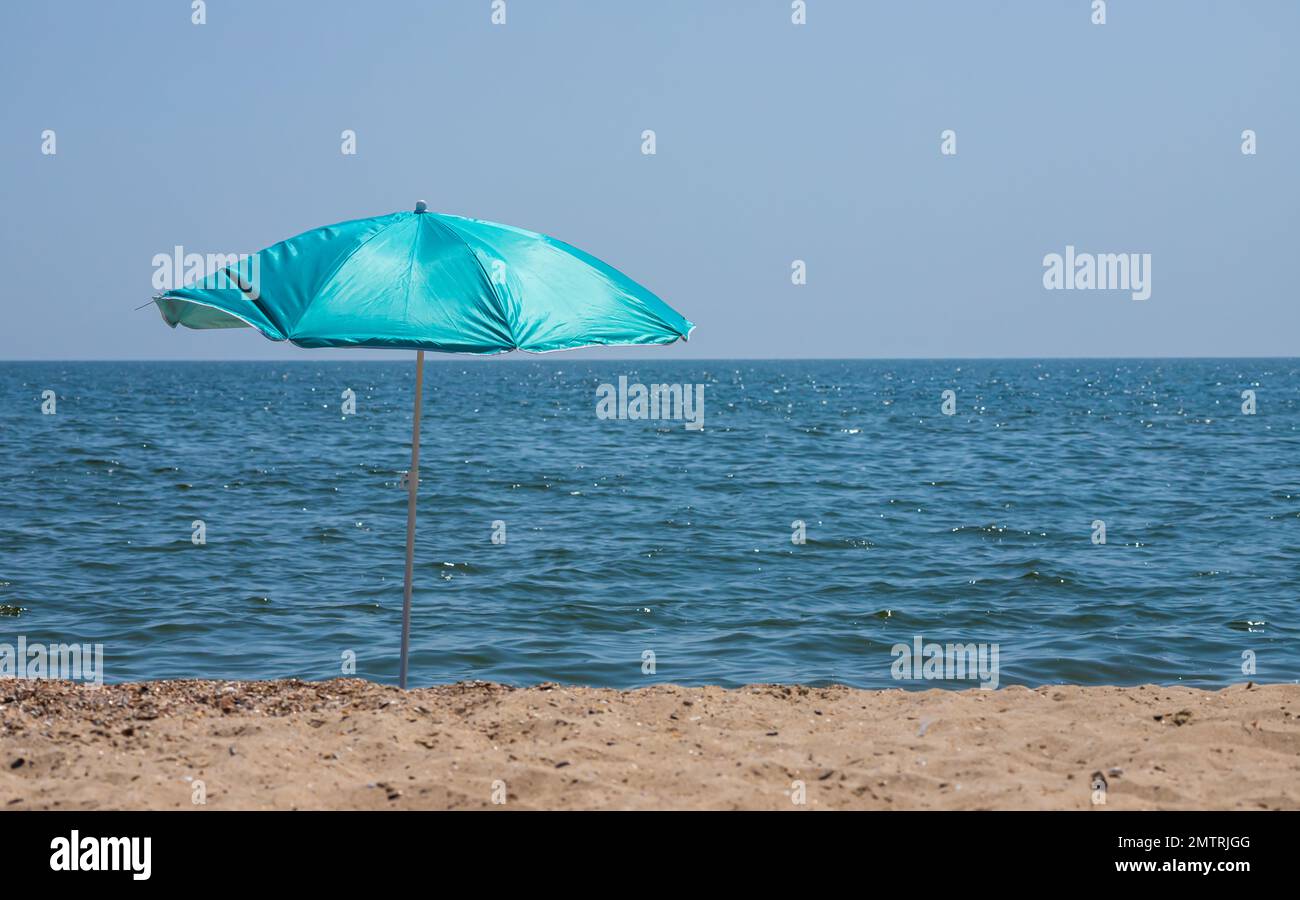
{"x":774,"y":142}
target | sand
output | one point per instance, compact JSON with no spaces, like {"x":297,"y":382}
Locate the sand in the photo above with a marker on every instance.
{"x":351,"y":744}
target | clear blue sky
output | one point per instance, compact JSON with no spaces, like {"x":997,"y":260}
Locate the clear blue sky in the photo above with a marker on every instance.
{"x":775,"y":142}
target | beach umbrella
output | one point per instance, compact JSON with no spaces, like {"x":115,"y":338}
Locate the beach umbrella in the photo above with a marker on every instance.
{"x":426,"y":281}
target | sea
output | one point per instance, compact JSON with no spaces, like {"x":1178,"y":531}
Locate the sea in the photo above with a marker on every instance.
{"x":818,"y":522}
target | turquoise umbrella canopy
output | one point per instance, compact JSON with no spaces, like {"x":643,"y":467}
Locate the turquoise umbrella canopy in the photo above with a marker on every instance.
{"x":427,"y":281}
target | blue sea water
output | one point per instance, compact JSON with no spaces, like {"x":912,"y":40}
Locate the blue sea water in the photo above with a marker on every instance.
{"x":630,"y":536}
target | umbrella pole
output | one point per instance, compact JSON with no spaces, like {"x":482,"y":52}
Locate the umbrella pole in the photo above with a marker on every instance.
{"x":413,"y":488}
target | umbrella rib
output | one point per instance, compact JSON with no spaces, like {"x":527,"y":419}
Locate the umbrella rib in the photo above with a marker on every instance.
{"x":410,"y":270}
{"x":256,"y":300}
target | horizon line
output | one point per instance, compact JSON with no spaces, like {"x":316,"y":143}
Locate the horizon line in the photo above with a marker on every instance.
{"x":524,"y":356}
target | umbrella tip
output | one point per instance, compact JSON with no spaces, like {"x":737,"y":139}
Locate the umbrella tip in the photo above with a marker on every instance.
{"x":421,"y":206}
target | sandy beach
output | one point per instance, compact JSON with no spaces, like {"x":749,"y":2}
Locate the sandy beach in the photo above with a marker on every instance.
{"x":351,"y":744}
